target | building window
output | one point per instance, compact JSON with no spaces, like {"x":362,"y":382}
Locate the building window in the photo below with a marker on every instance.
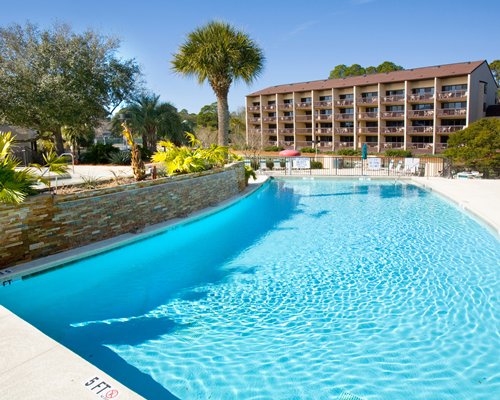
{"x":272,"y":114}
{"x":271,"y":102}
{"x":347,"y":124}
{"x":458,"y":104}
{"x":288,"y":113}
{"x":398,"y":92}
{"x":305,"y":99}
{"x":272,"y":126}
{"x":444,"y":139}
{"x":325,"y":98}
{"x":394,"y":139}
{"x":325,"y":112}
{"x":371,"y":139}
{"x":371,"y":124}
{"x":309,"y":138}
{"x":395,"y":124}
{"x":325,"y":125}
{"x":485,"y":88}
{"x":273,"y":138}
{"x":424,"y":122}
{"x":288,"y":126}
{"x":453,"y":122}
{"x":348,"y":96}
{"x":369,"y":95}
{"x":421,"y":139}
{"x":422,"y":107}
{"x":288,"y":138}
{"x":395,"y":108}
{"x":256,"y":104}
{"x":452,"y":88}
{"x":308,"y":113}
{"x":347,"y":139}
{"x":288,"y":101}
{"x":347,"y":110}
{"x":371,"y":109}
{"x":424,"y":90}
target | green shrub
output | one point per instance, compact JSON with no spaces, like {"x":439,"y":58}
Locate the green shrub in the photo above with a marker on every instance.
{"x":273,"y":148}
{"x":254,"y":164}
{"x":145,"y":154}
{"x":307,"y":150}
{"x":398,"y":153}
{"x":316,"y":165}
{"x":269,"y":164}
{"x":120,"y":158}
{"x":349,"y":152}
{"x":249,"y":173}
{"x":98,"y":153}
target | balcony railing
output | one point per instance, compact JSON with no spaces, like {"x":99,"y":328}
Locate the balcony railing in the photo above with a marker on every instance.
{"x":449,"y":129}
{"x":323,"y":104}
{"x":286,"y":130}
{"x":344,"y":145}
{"x":324,"y":143}
{"x":371,"y":145}
{"x":286,"y":118}
{"x":301,"y":118}
{"x":392,"y":145}
{"x":269,"y":119}
{"x":420,"y":97}
{"x":420,"y":129}
{"x":269,"y":107}
{"x":303,"y":130}
{"x":253,"y":108}
{"x":427,"y":146}
{"x":441,"y":146}
{"x":253,"y":131}
{"x":368,"y":115}
{"x":452,"y":94}
{"x":452,"y":112}
{"x":324,"y":117}
{"x":393,"y":114}
{"x":421,"y":113}
{"x":366,"y":129}
{"x":367,"y":100}
{"x":324,"y":130}
{"x":344,"y":116}
{"x":392,"y":129}
{"x":344,"y":102}
{"x":306,"y":104}
{"x":285,"y":106}
{"x":269,"y":131}
{"x":396,"y":98}
{"x":254,"y":120}
{"x":344,"y":131}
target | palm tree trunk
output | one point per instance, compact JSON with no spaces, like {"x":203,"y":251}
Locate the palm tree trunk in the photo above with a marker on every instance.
{"x":223,"y":119}
{"x":58,"y":140}
{"x":145,"y":140}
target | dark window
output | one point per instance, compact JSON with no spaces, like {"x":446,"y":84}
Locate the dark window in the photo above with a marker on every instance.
{"x":459,"y":104}
{"x":347,"y":110}
{"x":422,"y":107}
{"x":272,"y":126}
{"x":325,"y":98}
{"x":288,"y":138}
{"x":288,"y":101}
{"x":394,"y":92}
{"x":308,"y":125}
{"x":371,"y":124}
{"x":325,"y":138}
{"x":305,"y":100}
{"x":453,"y":122}
{"x":395,"y":108}
{"x":450,"y":88}
{"x":256,"y":103}
{"x":444,"y":139}
{"x":371,"y":109}
{"x":397,"y":139}
{"x":368,"y":95}
{"x":421,"y":139}
{"x":326,"y":125}
{"x":271,"y":102}
{"x":256,"y":115}
{"x":325,"y":112}
{"x":309,"y":138}
{"x":485,"y":88}
{"x":346,"y":139}
{"x":424,"y":90}
{"x":395,"y":124}
{"x":347,"y":124}
{"x":308,"y":112}
{"x":272,"y":114}
{"x":424,"y":122}
{"x":348,"y":96}
{"x":288,"y":113}
{"x":371,"y":139}
{"x":288,"y":126}
{"x":272,"y":137}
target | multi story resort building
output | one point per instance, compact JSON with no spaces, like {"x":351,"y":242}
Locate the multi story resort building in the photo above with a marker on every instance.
{"x":416,"y":109}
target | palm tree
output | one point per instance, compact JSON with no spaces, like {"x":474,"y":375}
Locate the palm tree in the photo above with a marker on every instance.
{"x":220,"y":54}
{"x":150,"y":118}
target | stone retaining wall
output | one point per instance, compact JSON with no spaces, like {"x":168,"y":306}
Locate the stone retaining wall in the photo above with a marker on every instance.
{"x":47,"y":224}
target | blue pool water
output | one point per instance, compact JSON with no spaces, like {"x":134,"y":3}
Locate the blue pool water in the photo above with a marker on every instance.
{"x":308,"y":289}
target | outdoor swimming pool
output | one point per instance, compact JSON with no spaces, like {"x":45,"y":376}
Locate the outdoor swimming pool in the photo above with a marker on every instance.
{"x":307,"y":289}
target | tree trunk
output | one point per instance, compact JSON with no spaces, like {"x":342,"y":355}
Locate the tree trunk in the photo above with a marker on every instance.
{"x":145,"y":140}
{"x":58,"y":141}
{"x":223,"y":119}
{"x":152,"y":141}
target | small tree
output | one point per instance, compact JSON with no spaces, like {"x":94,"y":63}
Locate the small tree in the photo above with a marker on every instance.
{"x":138,"y":167}
{"x":477,"y":146}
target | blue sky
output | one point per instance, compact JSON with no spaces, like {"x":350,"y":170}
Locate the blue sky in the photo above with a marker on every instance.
{"x":302,"y":39}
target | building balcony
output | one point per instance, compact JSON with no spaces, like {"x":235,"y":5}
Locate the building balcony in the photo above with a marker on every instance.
{"x":269,"y":107}
{"x":344,"y":116}
{"x":324,"y":130}
{"x":421,"y":98}
{"x":367,"y":100}
{"x":392,"y":114}
{"x":253,"y":108}
{"x":394,"y":99}
{"x":452,"y":112}
{"x":323,"y":104}
{"x":301,"y":118}
{"x":392,"y":145}
{"x":372,"y":146}
{"x":449,"y":129}
{"x":441,"y":146}
{"x":420,"y":129}
{"x":343,"y":102}
{"x":254,"y":131}
{"x":285,"y":106}
{"x":254,"y":120}
{"x":420,"y":113}
{"x":269,"y":119}
{"x":420,"y":146}
{"x":286,"y":118}
{"x":304,"y":105}
{"x":304,"y":143}
{"x":324,"y":117}
{"x":392,"y":129}
{"x":269,"y":131}
{"x":344,"y":131}
{"x":452,"y":95}
{"x":286,"y":130}
{"x":325,"y":143}
{"x":344,"y":145}
{"x":368,"y":115}
{"x":369,"y":129}
{"x":303,"y":131}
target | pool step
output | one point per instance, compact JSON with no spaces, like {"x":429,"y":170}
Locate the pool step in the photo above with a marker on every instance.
{"x":348,"y":396}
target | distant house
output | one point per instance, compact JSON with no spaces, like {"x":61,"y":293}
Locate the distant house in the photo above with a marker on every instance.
{"x":24,"y":142}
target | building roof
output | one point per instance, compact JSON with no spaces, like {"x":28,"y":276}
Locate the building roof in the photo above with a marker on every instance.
{"x":438,"y":71}
{"x":20,"y":134}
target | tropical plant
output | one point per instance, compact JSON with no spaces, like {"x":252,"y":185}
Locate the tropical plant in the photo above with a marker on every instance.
{"x":273,"y":148}
{"x":398,"y":153}
{"x":349,"y":152}
{"x":53,"y":164}
{"x":15,"y":184}
{"x":54,"y":77}
{"x":316,"y":165}
{"x":151,"y":119}
{"x":121,"y":158}
{"x":220,"y":54}
{"x":91,"y":182}
{"x":307,"y":150}
{"x":98,"y":153}
{"x":192,"y":158}
{"x":138,"y":168}
{"x":477,"y":146}
{"x":249,"y":173}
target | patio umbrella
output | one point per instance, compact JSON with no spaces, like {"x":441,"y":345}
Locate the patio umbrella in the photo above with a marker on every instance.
{"x":364,"y":151}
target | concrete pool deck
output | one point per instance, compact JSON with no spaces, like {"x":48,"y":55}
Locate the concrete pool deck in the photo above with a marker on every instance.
{"x":34,"y":366}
